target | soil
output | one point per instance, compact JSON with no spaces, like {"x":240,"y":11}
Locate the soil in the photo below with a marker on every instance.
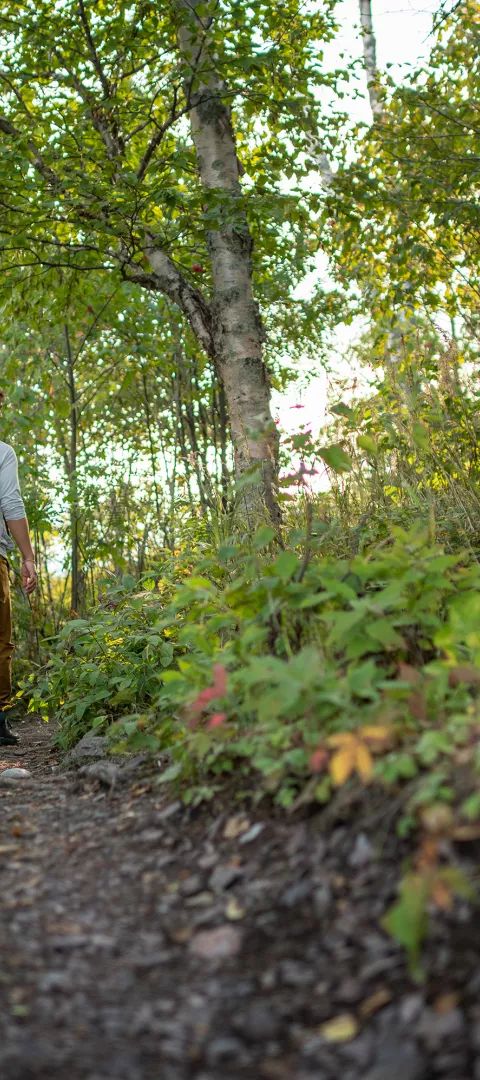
{"x":142,"y":940}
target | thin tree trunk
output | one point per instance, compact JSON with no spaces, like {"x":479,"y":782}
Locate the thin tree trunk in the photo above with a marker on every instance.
{"x":153,"y":455}
{"x":402,"y":320}
{"x":370,"y":57}
{"x":237,"y":330}
{"x":223,"y":424}
{"x":76,"y":590}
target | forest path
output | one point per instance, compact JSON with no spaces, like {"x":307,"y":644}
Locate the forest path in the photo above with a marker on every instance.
{"x":140,"y":940}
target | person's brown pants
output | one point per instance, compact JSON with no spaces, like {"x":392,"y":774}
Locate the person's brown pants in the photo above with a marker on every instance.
{"x":6,"y":643}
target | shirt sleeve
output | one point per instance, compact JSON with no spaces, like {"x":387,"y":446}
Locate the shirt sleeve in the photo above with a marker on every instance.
{"x":11,"y":502}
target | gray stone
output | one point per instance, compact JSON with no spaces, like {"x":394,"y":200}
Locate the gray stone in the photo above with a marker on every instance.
{"x":106,"y":772}
{"x":11,"y":776}
{"x":296,"y":893}
{"x":259,"y":1022}
{"x":398,"y":1061}
{"x":170,"y":810}
{"x":410,"y":1008}
{"x":360,"y":1050}
{"x":225,"y":1048}
{"x":322,"y":898}
{"x":54,"y":980}
{"x":90,"y":748}
{"x":252,"y":833}
{"x":219,"y":944}
{"x":436,"y":1028}
{"x":224,"y":876}
{"x":349,"y":991}
{"x":296,"y":973}
{"x":362,"y":852}
{"x":191,"y":885}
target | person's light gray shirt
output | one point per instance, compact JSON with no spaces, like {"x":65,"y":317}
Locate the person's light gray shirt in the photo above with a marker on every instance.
{"x":11,"y":502}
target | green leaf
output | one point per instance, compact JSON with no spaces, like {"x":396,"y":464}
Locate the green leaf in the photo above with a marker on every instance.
{"x":340,"y":409}
{"x":336,"y":458}
{"x":263,"y":537}
{"x":285,"y":565}
{"x":407,"y":919}
{"x":365,"y":442}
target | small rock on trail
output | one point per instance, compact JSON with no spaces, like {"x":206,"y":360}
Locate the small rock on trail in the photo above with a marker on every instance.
{"x":9,"y":776}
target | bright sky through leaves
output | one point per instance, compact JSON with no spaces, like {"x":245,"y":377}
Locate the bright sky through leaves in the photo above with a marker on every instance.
{"x":403,"y":32}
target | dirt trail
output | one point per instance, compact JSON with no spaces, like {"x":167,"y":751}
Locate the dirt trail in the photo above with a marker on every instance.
{"x":140,"y":940}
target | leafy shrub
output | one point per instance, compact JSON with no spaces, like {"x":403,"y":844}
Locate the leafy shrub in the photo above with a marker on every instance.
{"x":258,"y":662}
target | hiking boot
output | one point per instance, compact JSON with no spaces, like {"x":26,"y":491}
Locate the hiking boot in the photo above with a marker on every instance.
{"x":7,"y":738}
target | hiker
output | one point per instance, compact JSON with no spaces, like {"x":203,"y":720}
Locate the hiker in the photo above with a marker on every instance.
{"x":13,"y":523}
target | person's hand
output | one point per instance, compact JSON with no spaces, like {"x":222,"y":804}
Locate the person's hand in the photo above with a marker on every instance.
{"x":29,"y":576}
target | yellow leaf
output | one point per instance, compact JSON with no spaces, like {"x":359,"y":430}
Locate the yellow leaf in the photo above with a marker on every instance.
{"x":340,"y":1028}
{"x":437,"y":817}
{"x":235,"y":826}
{"x":342,"y":765}
{"x":375,"y":732}
{"x":234,"y":910}
{"x":363,"y":762}
{"x":376,"y":1001}
{"x":345,"y":738}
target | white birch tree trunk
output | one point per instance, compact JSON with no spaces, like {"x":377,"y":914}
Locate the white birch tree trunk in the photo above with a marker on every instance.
{"x":236,"y":328}
{"x":370,"y":57}
{"x":402,"y":322}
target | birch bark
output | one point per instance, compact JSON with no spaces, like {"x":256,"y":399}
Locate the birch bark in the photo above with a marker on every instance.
{"x":236,"y":328}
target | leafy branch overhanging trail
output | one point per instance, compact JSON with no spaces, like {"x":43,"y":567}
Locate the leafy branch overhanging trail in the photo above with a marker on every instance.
{"x":92,"y":126}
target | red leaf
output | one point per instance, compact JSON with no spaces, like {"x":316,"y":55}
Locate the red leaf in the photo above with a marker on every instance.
{"x":216,"y":720}
{"x":210,"y":693}
{"x":318,"y":760}
{"x":219,"y":680}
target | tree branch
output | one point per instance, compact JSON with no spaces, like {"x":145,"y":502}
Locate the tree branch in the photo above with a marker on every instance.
{"x":108,"y":130}
{"x":48,"y":174}
{"x":157,"y":138}
{"x":93,"y":52}
{"x":166,"y":278}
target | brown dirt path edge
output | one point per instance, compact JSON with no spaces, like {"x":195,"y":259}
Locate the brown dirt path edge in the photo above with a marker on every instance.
{"x":138,"y":941}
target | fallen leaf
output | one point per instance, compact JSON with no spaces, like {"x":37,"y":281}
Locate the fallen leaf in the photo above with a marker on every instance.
{"x":375,"y":1002}
{"x":342,"y":765}
{"x":139,"y":789}
{"x":466,"y":833}
{"x":235,"y":826}
{"x":437,"y":817}
{"x":339,"y":1029}
{"x":64,"y":926}
{"x":441,"y":895}
{"x":234,"y":910}
{"x":376,"y":732}
{"x":445,"y":1003}
{"x":363,"y":762}
{"x":343,"y":738}
{"x":180,"y":935}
